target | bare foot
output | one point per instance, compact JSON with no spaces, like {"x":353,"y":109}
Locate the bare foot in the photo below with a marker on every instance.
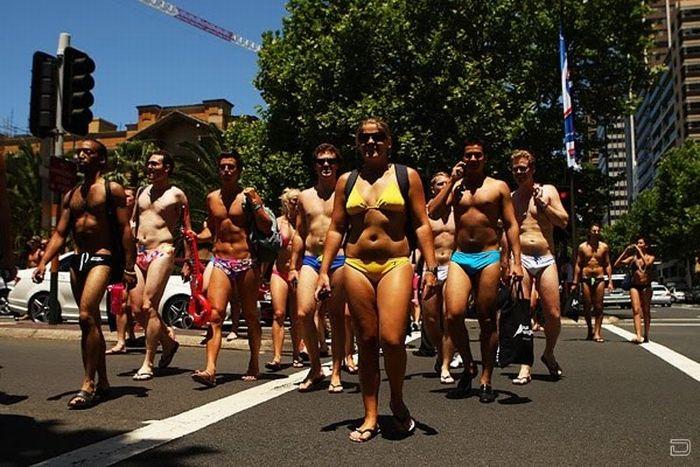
{"x":250,"y":377}
{"x":311,"y":381}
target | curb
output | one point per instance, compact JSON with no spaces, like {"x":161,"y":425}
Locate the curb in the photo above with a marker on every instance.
{"x":74,"y":335}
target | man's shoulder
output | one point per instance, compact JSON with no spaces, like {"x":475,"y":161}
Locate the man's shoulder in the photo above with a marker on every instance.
{"x":496,"y":183}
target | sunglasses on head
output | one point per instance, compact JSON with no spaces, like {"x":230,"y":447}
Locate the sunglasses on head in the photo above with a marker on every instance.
{"x":332,"y":161}
{"x":378,"y":137}
{"x":520,"y":169}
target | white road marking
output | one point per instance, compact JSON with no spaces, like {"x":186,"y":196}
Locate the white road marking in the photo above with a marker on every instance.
{"x":683,"y":363}
{"x":653,"y":324}
{"x":158,"y":432}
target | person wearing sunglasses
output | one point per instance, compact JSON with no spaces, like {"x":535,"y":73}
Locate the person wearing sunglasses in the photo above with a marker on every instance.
{"x":94,"y":212}
{"x":478,"y":203}
{"x":378,"y":219}
{"x":539,"y":210}
{"x":313,"y":217}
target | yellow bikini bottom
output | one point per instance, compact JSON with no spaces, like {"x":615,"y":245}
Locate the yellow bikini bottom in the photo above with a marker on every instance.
{"x":375,"y":270}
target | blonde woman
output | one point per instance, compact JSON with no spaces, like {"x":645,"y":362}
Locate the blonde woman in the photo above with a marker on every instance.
{"x":282,"y":300}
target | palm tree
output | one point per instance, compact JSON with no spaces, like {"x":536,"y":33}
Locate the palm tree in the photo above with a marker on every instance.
{"x":24,"y":192}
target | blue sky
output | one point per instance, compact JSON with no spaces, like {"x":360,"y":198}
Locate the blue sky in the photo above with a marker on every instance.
{"x":142,"y":55}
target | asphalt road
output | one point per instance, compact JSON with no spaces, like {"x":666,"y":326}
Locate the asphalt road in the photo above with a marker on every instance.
{"x":617,"y":404}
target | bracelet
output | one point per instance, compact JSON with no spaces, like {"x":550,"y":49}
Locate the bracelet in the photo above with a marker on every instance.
{"x":130,"y":273}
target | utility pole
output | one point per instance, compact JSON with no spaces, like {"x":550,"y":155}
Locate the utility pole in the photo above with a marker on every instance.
{"x":54,"y":315}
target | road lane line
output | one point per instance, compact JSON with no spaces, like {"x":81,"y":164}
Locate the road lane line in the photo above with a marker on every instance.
{"x":683,"y":363}
{"x":156,"y":433}
{"x":695,"y":324}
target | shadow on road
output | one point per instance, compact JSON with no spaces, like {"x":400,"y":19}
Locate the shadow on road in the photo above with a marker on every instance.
{"x":32,"y":440}
{"x":181,"y":456}
{"x":7,"y":399}
{"x":390,"y":429}
{"x":115,"y":392}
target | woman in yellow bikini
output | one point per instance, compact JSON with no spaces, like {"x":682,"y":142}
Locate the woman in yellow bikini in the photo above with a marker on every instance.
{"x":373,"y":213}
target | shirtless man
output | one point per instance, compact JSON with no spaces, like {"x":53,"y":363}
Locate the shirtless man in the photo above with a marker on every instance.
{"x":313,"y":218}
{"x":444,"y":238}
{"x":92,"y":218}
{"x":538,"y":210}
{"x":231,"y":211}
{"x":157,"y":217}
{"x":478,"y":202}
{"x":592,"y":263}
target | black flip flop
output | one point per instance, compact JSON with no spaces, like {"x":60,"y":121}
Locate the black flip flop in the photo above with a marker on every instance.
{"x":314,"y":382}
{"x":89,"y":399}
{"x":167,"y":356}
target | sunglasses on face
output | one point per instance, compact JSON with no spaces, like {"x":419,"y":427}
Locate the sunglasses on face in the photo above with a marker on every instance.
{"x":88,"y":151}
{"x":473,"y":155}
{"x":378,"y":137}
{"x":326,"y":161}
{"x":230,"y":167}
{"x":520,"y":169}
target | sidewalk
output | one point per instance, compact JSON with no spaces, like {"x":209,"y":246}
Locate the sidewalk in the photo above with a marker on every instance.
{"x":70,"y":331}
{"x":186,"y":337}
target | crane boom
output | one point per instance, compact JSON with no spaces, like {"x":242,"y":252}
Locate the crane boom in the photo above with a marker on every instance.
{"x":194,"y":20}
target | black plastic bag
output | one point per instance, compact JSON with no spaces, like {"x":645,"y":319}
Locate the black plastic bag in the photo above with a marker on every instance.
{"x":572,"y":305}
{"x":515,"y":345}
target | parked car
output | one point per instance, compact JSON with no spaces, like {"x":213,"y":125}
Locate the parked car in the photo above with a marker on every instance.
{"x":31,"y":298}
{"x":679,"y":292}
{"x":660,"y":295}
{"x":617,"y":297}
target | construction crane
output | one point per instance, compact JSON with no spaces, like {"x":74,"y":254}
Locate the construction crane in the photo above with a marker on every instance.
{"x":194,"y":20}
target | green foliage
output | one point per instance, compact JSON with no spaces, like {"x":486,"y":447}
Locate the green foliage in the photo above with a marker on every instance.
{"x":441,"y":70}
{"x":127,"y":162}
{"x":24,"y":191}
{"x":668,"y":213}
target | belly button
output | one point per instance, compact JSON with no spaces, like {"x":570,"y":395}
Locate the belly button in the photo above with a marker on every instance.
{"x":373,"y":238}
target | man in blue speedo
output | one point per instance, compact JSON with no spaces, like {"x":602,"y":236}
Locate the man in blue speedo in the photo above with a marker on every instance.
{"x":313,"y":218}
{"x":478,"y":202}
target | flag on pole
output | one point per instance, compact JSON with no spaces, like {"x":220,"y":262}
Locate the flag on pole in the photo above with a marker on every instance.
{"x":572,"y":160}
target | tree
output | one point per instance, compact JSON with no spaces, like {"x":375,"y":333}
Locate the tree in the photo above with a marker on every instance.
{"x":127,"y":162}
{"x":24,"y":191}
{"x":668,"y":213}
{"x":441,"y":70}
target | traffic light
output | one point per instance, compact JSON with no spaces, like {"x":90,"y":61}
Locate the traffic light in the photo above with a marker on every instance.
{"x":42,"y":102}
{"x":77,"y":98}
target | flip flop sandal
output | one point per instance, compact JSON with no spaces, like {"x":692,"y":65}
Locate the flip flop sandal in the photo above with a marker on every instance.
{"x":205,"y":378}
{"x":296,"y":363}
{"x":552,"y":366}
{"x":143,"y":376}
{"x":373,"y":432}
{"x":446,"y":379}
{"x":351,"y":370}
{"x":166,"y":357}
{"x":249,"y":378}
{"x":313,"y":383}
{"x":599,"y":340}
{"x":273,"y":366}
{"x":84,"y":400}
{"x":116,"y":351}
{"x":335,"y":388}
{"x":522,"y":380}
{"x":405,"y":421}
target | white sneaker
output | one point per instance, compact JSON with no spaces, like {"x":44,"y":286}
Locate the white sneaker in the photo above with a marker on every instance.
{"x":457,"y":361}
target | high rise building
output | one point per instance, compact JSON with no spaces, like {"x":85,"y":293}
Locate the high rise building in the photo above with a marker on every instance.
{"x":670,"y":110}
{"x":612,"y":161}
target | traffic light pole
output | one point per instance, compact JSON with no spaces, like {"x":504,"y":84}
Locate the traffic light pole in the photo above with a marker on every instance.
{"x":54,"y":316}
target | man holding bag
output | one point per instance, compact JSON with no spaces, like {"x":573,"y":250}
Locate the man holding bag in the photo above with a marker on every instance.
{"x":233,"y":213}
{"x":538,"y":210}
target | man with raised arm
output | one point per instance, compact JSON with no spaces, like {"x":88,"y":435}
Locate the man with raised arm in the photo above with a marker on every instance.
{"x":158,"y":218}
{"x":590,"y":269}
{"x":478,"y":202}
{"x":233,"y":211}
{"x":94,"y":212}
{"x":314,"y":211}
{"x":538,"y":210}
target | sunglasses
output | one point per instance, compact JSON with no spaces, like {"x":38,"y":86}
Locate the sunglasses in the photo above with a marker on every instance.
{"x":378,"y":137}
{"x":322,"y":162}
{"x":231,"y":167}
{"x":520,"y":169}
{"x":88,"y":151}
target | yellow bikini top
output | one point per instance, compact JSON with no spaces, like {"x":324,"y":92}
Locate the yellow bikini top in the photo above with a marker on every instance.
{"x":390,"y":200}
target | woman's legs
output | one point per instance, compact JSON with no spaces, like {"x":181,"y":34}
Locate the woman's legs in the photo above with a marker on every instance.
{"x":637,"y":313}
{"x":646,"y":311}
{"x":361,"y":299}
{"x":279,"y":291}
